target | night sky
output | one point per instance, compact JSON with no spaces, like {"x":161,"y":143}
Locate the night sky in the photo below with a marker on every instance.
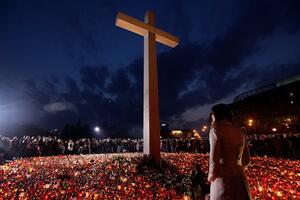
{"x":63,"y":61}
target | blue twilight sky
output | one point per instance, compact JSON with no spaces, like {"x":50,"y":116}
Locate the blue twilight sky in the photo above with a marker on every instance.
{"x":65,"y":60}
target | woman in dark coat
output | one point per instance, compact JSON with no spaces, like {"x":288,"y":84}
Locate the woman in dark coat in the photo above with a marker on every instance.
{"x":228,"y":157}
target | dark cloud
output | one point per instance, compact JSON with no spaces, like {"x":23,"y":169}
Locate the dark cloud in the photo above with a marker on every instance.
{"x":92,"y":102}
{"x":94,"y":77}
{"x":208,"y":73}
{"x":190,"y":75}
{"x":178,"y":19}
{"x":256,"y":21}
{"x":72,"y":87}
{"x":39,"y":95}
{"x":268,"y":75}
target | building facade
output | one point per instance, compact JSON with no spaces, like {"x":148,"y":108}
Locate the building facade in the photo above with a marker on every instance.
{"x":271,"y":109}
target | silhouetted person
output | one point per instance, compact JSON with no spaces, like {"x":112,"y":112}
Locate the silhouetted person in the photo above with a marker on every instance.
{"x":228,"y":157}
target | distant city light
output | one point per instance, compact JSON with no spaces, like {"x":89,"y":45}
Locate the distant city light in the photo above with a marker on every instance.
{"x":205,"y":127}
{"x":97,"y":129}
{"x":196,"y":135}
{"x":177,"y":132}
{"x":185,"y":197}
{"x":250,"y":122}
{"x":274,"y":129}
{"x":163,"y":124}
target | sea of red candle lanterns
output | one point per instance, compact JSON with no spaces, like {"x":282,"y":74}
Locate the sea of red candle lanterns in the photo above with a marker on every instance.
{"x":117,"y":176}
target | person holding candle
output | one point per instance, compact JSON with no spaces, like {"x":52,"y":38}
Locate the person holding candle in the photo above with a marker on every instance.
{"x":228,"y":157}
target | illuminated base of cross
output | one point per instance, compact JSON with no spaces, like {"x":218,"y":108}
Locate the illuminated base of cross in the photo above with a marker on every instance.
{"x":151,"y":104}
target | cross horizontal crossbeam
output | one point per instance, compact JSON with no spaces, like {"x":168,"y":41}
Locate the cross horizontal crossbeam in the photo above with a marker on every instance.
{"x":141,"y":28}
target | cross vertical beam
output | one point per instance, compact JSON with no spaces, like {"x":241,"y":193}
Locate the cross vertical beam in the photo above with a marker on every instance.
{"x":151,"y":35}
{"x":151,"y":104}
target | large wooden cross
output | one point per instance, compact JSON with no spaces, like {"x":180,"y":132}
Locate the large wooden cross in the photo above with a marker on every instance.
{"x":151,"y":103}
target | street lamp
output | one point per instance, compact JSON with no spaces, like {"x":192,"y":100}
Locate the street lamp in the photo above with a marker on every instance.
{"x":250,"y":122}
{"x":97,"y":129}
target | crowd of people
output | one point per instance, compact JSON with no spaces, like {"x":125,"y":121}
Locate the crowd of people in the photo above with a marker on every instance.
{"x":286,"y":146}
{"x":29,"y":146}
{"x":275,"y":145}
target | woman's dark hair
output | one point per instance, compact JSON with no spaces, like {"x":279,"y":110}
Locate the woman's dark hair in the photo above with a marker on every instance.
{"x":222,"y":111}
